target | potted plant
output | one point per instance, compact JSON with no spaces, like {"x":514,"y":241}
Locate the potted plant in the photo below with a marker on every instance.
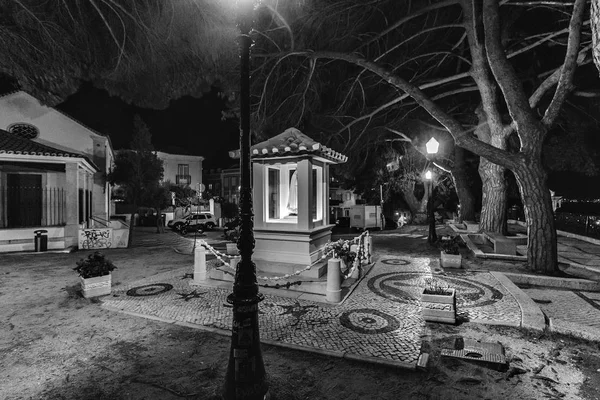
{"x":95,"y":273}
{"x":438,"y":301}
{"x":450,"y":255}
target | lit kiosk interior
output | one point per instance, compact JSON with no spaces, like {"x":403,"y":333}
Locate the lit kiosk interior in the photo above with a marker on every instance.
{"x":291,"y":201}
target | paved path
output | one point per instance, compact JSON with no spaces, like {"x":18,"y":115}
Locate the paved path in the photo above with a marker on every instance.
{"x":570,"y":311}
{"x":147,"y":237}
{"x":574,"y":251}
{"x":379,"y":322}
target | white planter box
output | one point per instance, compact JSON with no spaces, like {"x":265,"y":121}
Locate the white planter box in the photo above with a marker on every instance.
{"x":450,"y":260}
{"x":96,"y":286}
{"x":439,"y":307}
{"x":232,"y":248}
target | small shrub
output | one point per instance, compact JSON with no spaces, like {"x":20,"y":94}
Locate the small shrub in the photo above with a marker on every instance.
{"x":449,"y":244}
{"x":436,"y":286}
{"x":94,"y":265}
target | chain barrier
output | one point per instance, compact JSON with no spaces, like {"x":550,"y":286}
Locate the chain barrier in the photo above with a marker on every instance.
{"x":360,"y":256}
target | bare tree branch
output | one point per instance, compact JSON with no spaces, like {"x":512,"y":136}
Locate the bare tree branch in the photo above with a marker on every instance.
{"x":510,"y":85}
{"x":461,"y":137}
{"x":565,"y":81}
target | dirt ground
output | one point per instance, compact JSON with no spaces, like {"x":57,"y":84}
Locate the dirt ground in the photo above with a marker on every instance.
{"x":54,"y":344}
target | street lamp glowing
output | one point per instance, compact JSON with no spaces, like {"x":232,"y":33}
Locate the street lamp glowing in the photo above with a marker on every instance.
{"x":432,"y":146}
{"x":428,"y":175}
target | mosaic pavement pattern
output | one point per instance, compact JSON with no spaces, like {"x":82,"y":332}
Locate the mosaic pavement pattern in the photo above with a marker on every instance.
{"x":381,"y":318}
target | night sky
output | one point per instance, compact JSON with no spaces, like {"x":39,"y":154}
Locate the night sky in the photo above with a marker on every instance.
{"x":194,"y":126}
{"x":189,"y":126}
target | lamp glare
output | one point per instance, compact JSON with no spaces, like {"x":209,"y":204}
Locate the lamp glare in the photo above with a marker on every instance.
{"x":428,"y":175}
{"x":432,"y":146}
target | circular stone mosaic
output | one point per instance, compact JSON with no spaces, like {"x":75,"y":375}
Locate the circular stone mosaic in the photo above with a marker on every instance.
{"x":369,"y":321}
{"x":149,"y":290}
{"x":407,"y":287}
{"x":395,"y":261}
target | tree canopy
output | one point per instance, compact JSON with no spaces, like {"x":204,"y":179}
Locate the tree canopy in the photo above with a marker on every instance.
{"x":139,"y":171}
{"x":147,"y":52}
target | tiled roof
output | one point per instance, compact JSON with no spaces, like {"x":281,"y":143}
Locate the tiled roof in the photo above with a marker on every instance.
{"x":290,"y":143}
{"x":11,"y":144}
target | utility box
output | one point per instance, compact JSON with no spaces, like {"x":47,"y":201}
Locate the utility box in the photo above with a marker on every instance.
{"x":366,"y":217}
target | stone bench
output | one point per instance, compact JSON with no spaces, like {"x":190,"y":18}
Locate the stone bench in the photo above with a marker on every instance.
{"x":471,"y":226}
{"x":502,"y":245}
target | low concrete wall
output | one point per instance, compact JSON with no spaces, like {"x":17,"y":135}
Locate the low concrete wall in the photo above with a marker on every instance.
{"x":21,"y":239}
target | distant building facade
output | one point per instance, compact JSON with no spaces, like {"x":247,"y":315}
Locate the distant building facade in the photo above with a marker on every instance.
{"x":182,"y":169}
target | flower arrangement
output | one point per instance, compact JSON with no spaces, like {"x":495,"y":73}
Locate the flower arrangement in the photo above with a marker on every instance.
{"x":94,"y":265}
{"x":341,"y":250}
{"x":449,"y":244}
{"x":436,"y":286}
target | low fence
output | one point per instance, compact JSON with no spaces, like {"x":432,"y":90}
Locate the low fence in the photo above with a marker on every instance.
{"x":580,"y":224}
{"x":361,"y":246}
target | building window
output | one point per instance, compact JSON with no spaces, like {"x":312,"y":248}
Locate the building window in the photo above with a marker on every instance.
{"x":317,"y":195}
{"x":26,"y":131}
{"x":282,"y":193}
{"x":183,"y":169}
{"x":273,"y":187}
{"x":183,"y":174}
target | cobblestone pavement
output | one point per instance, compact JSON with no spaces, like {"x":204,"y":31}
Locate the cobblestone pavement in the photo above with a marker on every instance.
{"x":147,"y":237}
{"x":380,"y":320}
{"x":570,"y":311}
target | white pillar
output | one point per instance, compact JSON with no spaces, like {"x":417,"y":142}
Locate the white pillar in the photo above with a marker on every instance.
{"x":199,"y":264}
{"x":334,"y":281}
{"x":305,"y":191}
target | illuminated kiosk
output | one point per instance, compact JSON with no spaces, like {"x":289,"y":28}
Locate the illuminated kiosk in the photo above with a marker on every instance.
{"x":291,"y":201}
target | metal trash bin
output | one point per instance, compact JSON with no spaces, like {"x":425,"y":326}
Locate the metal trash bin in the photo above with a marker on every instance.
{"x":40,"y":240}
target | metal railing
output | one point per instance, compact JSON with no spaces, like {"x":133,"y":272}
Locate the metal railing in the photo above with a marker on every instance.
{"x":23,"y":207}
{"x":183,"y":179}
{"x":580,"y":224}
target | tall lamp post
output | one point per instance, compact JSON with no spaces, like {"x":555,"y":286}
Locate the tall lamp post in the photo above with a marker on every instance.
{"x":432,"y":149}
{"x":246,"y":376}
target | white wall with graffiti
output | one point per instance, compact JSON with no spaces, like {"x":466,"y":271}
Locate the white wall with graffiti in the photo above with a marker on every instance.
{"x":115,"y":236}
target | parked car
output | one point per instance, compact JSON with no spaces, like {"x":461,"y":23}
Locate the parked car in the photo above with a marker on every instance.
{"x":201,"y":220}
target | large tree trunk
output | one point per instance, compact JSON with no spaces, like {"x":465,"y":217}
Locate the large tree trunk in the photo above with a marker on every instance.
{"x":542,"y":255}
{"x":417,"y":208}
{"x":493,"y":202}
{"x":462,"y":184}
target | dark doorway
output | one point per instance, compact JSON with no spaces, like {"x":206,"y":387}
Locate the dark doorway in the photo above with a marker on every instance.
{"x":24,"y":200}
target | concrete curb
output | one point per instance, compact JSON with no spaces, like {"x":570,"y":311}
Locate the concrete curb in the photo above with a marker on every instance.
{"x":578,"y":237}
{"x":532,"y":316}
{"x":315,"y":350}
{"x":480,"y":254}
{"x":582,"y":271}
{"x":549,"y":281}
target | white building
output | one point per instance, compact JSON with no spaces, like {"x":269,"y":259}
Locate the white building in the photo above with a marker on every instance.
{"x":182,"y":169}
{"x":52,"y":174}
